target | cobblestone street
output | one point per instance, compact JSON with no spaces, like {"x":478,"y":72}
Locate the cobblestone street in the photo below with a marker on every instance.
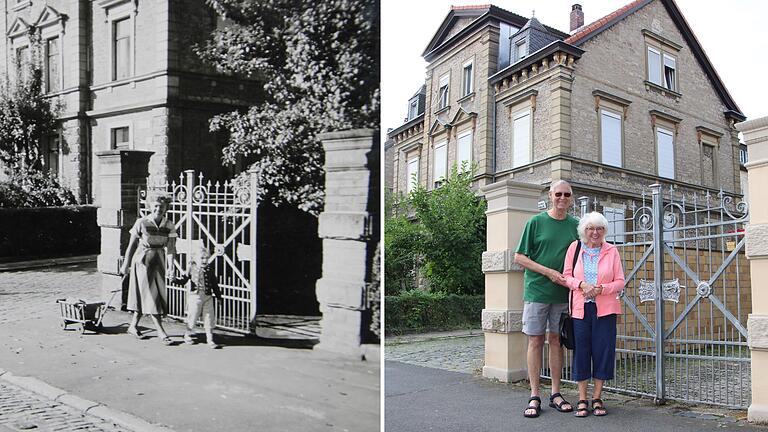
{"x":24,"y":410}
{"x":31,"y":294}
{"x":460,"y":353}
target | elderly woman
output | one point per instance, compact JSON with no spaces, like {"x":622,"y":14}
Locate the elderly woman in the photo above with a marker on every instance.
{"x":595,"y":282}
{"x":152,"y":237}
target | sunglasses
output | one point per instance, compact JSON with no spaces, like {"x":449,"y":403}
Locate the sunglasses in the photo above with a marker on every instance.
{"x":559,"y":194}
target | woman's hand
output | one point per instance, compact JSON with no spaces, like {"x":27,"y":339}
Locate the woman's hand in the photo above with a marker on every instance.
{"x":588,"y":289}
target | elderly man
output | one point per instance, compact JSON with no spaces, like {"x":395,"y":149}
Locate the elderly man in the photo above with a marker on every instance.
{"x":541,"y":252}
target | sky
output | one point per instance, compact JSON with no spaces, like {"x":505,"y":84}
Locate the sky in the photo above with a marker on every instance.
{"x":734,"y":35}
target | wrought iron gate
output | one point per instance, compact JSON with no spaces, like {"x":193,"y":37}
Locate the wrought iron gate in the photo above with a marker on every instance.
{"x":687,"y":296}
{"x":223,"y":218}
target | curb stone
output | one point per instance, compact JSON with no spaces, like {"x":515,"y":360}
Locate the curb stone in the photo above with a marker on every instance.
{"x":85,"y":406}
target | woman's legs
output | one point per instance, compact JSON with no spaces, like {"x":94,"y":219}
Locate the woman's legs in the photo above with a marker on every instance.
{"x":134,"y":321}
{"x":159,"y":326}
{"x":581,"y":406}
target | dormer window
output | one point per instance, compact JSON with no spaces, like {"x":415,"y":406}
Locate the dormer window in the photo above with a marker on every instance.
{"x":521,"y":49}
{"x":413,"y":108}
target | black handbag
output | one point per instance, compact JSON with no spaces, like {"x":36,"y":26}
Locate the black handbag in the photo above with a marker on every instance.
{"x":567,"y":338}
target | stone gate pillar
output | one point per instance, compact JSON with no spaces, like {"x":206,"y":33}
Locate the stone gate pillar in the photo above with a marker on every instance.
{"x":756,"y":137}
{"x":510,"y":205}
{"x":349,"y":227}
{"x":121,"y":174}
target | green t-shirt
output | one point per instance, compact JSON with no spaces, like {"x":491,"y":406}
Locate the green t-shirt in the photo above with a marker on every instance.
{"x":545,"y":241}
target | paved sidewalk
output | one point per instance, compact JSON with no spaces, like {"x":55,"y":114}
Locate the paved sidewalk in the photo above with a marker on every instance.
{"x":251,"y":384}
{"x":433,"y":382}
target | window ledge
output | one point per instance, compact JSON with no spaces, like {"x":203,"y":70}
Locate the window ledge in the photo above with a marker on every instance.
{"x":21,"y":6}
{"x":649,"y":86}
{"x":466,"y":97}
{"x":442,"y":110}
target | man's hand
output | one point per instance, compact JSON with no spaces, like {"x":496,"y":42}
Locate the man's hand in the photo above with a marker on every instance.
{"x":556,"y":277}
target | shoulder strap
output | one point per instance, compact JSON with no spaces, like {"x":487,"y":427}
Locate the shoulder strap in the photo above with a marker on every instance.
{"x":573,"y":269}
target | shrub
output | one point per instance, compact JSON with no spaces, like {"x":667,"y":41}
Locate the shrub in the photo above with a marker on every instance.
{"x":34,"y":188}
{"x":420,"y":311}
{"x":452,"y":219}
{"x":401,"y":251}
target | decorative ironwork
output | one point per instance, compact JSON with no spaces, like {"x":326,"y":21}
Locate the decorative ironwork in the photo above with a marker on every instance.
{"x":670,"y":290}
{"x":704,"y":289}
{"x":694,"y":349}
{"x":220,"y":216}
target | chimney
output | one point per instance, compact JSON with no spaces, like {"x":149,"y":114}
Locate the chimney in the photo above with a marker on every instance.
{"x":577,"y":17}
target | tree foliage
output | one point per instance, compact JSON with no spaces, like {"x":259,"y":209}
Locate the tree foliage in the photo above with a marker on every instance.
{"x":448,"y":238}
{"x":318,"y":62}
{"x":26,"y":116}
{"x":402,"y":238}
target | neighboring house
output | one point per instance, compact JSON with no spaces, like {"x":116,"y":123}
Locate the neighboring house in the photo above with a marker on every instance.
{"x":612,"y":107}
{"x":129,"y":79}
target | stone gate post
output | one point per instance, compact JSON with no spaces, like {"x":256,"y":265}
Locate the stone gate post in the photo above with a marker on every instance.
{"x":510,"y":205}
{"x":121,"y":173}
{"x":756,"y":137}
{"x":349,"y":227}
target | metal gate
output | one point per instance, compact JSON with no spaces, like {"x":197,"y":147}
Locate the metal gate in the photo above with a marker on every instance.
{"x":223,"y":218}
{"x":687,"y":297}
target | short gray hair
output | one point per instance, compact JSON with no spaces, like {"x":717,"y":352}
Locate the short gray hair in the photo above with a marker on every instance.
{"x":557,"y":183}
{"x":595,"y":219}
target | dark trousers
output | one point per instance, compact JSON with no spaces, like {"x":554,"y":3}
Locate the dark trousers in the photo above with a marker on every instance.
{"x":595,"y":352}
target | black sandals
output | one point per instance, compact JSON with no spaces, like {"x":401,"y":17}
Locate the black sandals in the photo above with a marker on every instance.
{"x":536,"y":407}
{"x":598,"y":410}
{"x":559,"y":406}
{"x":582,"y":408}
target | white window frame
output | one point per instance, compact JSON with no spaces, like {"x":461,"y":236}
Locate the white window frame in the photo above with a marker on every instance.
{"x":413,"y":108}
{"x":411,"y":182}
{"x":660,"y":158}
{"x":616,"y":224}
{"x":516,"y":150}
{"x":117,"y":10}
{"x":440,"y":165}
{"x":51,"y":25}
{"x":671,"y":85}
{"x":461,"y":141}
{"x":129,"y":145}
{"x":650,"y":67}
{"x":603,"y":145}
{"x":521,"y":49}
{"x":467,"y":77}
{"x":443,"y":91}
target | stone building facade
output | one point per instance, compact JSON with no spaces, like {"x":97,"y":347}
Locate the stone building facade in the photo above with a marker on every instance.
{"x":128,"y":78}
{"x":612,"y":106}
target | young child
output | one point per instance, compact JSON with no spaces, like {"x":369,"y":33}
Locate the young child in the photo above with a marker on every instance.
{"x":203,"y":288}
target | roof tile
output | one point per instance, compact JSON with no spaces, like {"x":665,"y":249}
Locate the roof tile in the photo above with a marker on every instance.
{"x":596,"y":25}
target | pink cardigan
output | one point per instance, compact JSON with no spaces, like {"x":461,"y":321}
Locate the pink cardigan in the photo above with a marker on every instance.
{"x":610,"y":274}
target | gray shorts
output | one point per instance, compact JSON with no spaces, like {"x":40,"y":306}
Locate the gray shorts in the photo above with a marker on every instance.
{"x":540,"y":317}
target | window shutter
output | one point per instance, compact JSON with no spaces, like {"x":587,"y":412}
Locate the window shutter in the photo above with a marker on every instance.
{"x":441,"y":160}
{"x":522,"y":140}
{"x":654,"y":66}
{"x":464,"y":156}
{"x":610,"y":125}
{"x":665,"y":153}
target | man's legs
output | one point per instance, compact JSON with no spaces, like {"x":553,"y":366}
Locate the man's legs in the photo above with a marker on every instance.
{"x":535,"y":345}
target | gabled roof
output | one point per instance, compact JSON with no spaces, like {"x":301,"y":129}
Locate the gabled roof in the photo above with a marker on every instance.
{"x":49,"y":16}
{"x":17,"y":28}
{"x":586,"y":33}
{"x":480,"y":15}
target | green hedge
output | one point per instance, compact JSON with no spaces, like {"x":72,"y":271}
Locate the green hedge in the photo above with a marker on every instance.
{"x":48,"y":232}
{"x":420,"y":311}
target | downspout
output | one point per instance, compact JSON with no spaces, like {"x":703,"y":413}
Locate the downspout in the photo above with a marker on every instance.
{"x":493,"y":138}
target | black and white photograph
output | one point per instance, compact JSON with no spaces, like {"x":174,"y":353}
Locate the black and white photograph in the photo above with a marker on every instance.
{"x":190,"y":199}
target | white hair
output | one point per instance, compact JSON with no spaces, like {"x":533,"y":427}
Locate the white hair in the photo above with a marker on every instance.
{"x":557,"y":183}
{"x":595,"y":219}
